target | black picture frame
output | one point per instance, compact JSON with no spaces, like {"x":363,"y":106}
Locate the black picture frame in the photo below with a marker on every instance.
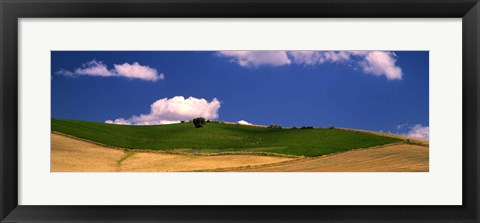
{"x":11,"y":11}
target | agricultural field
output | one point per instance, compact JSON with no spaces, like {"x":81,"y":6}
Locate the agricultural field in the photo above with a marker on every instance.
{"x":222,"y":138}
{"x":294,"y":110}
{"x":71,"y":154}
{"x":389,"y":158}
{"x":74,"y":155}
{"x":80,"y":146}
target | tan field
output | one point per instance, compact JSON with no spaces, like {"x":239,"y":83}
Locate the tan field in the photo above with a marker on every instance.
{"x":74,"y":155}
{"x":390,"y":158}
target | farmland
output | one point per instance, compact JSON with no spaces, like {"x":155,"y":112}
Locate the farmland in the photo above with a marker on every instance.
{"x":73,"y":155}
{"x":70,"y":154}
{"x":221,"y":138}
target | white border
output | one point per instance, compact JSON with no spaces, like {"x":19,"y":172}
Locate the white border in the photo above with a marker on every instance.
{"x":441,"y":186}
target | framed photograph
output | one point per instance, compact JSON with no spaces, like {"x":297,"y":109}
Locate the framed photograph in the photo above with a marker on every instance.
{"x":227,"y":111}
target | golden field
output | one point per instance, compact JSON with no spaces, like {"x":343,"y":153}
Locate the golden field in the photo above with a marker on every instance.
{"x":70,"y":154}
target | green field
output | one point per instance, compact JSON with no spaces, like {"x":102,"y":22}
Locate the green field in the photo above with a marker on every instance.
{"x":218,"y":137}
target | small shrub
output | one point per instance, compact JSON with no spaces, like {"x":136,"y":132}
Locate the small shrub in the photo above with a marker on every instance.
{"x":331,"y":127}
{"x":182,"y":121}
{"x":199,"y":122}
{"x":274,"y":126}
{"x":294,"y":127}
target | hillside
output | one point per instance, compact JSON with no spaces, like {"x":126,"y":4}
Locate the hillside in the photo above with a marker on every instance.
{"x":220,"y":138}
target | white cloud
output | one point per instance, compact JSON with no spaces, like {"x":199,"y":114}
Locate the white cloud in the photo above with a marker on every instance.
{"x":243,"y":122}
{"x":118,"y":121}
{"x":136,"y":70}
{"x":257,"y":58}
{"x":379,"y":63}
{"x":98,"y":68}
{"x":403,"y":125}
{"x":174,"y":110}
{"x":319,"y":57}
{"x":65,"y":73}
{"x":94,"y":68}
{"x":419,"y":131}
{"x":371,"y":62}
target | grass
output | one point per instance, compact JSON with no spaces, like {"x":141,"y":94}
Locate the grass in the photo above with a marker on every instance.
{"x":219,"y":137}
{"x":127,"y":155}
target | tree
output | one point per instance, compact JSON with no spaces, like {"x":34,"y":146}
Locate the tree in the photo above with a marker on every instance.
{"x":199,"y":122}
{"x":274,"y":126}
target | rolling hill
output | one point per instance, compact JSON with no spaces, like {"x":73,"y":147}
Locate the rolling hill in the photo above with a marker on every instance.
{"x":221,"y":138}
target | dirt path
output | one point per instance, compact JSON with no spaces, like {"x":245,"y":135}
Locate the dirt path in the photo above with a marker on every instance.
{"x":73,"y":155}
{"x":390,"y":158}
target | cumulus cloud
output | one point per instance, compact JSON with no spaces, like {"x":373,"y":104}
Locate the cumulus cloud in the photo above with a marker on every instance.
{"x":319,"y":57}
{"x":98,"y":68}
{"x":243,"y":122}
{"x":173,"y":110}
{"x":119,"y":121}
{"x":419,"y":131}
{"x":136,"y":70}
{"x":257,"y":58}
{"x":415,"y":131}
{"x":379,"y":63}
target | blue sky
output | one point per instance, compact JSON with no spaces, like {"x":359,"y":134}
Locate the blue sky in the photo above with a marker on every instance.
{"x":374,"y":90}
